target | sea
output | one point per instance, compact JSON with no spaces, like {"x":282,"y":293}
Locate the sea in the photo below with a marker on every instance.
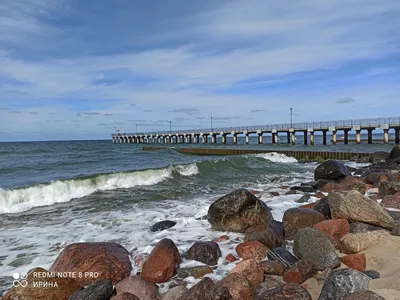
{"x":56,"y":193}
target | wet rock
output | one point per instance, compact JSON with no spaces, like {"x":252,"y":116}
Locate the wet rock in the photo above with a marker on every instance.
{"x":267,"y":235}
{"x":388,"y":188}
{"x":353,"y":206}
{"x":251,"y":270}
{"x":304,"y":199}
{"x":99,"y":290}
{"x":206,"y":289}
{"x":160,"y":226}
{"x":322,"y":206}
{"x":319,"y":184}
{"x":196,"y":272}
{"x":274,"y":194}
{"x":358,"y":227}
{"x":271,"y":267}
{"x":372,"y":274}
{"x":282,"y":256}
{"x":343,"y":282}
{"x":356,"y":242}
{"x":357,"y":262}
{"x":375,"y":176}
{"x":162,"y":262}
{"x":57,"y":288}
{"x":288,"y":291}
{"x":239,"y":287}
{"x":136,"y":285}
{"x":205,"y":252}
{"x":291,"y":192}
{"x":237,"y":211}
{"x":364,"y":295}
{"x":331,"y":170}
{"x":395,"y":153}
{"x":298,"y":218}
{"x":319,"y":195}
{"x":252,"y":250}
{"x":269,"y":283}
{"x":303,"y":188}
{"x":125,"y":296}
{"x":221,"y":239}
{"x":231,"y":258}
{"x":174,"y":293}
{"x":391,"y":201}
{"x":314,"y":245}
{"x":379,"y":156}
{"x":109,"y":260}
{"x":336,"y":228}
{"x":299,"y":272}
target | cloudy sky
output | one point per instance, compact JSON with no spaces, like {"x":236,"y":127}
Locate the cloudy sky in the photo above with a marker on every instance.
{"x":73,"y":69}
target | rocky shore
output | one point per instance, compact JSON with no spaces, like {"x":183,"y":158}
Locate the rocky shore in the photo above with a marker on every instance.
{"x":345,"y":245}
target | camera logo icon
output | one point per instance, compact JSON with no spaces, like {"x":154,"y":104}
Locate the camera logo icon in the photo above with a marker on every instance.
{"x":20,"y":280}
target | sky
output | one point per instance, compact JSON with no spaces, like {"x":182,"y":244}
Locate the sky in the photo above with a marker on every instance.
{"x":73,"y":69}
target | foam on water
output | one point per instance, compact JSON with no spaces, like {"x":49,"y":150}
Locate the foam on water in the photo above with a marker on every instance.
{"x":277,"y":157}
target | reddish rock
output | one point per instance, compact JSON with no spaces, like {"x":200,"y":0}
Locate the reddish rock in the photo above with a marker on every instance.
{"x":162,"y":262}
{"x":336,"y":228}
{"x":252,"y":250}
{"x":136,"y":285}
{"x":355,"y":261}
{"x":221,"y":239}
{"x":300,"y":272}
{"x":271,"y":236}
{"x":65,"y":288}
{"x":333,"y":187}
{"x":391,"y":201}
{"x":298,"y":218}
{"x":231,"y":258}
{"x":291,"y":192}
{"x":109,"y":260}
{"x":319,"y":195}
{"x":206,"y":289}
{"x":289,"y":291}
{"x":205,"y":252}
{"x":271,"y":267}
{"x":125,"y":296}
{"x":239,"y":287}
{"x":251,"y":270}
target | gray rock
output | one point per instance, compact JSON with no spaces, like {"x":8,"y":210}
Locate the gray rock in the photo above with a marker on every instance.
{"x":159,"y":226}
{"x":305,"y":198}
{"x":174,"y":293}
{"x":99,"y":290}
{"x":314,"y":245}
{"x":395,"y":153}
{"x":364,"y":295}
{"x":205,"y":252}
{"x":379,"y":156}
{"x":358,"y":227}
{"x":267,"y":235}
{"x":331,"y":170}
{"x":343,"y":282}
{"x":323,"y":207}
{"x":388,"y":188}
{"x":303,"y":188}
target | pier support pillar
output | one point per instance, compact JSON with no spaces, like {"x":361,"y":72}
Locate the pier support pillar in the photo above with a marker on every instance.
{"x":312,"y":138}
{"x":386,"y":136}
{"x":370,"y":136}
{"x":203,"y":139}
{"x":260,"y":138}
{"x":247,"y":138}
{"x":293,"y":138}
{"x":346,"y":136}
{"x":113,"y":140}
{"x":288,"y":137}
{"x":324,"y":137}
{"x":358,"y":136}
{"x":120,"y":140}
{"x":305,"y":138}
{"x":275,"y":138}
{"x":223,"y":138}
{"x":334,"y":137}
{"x":235,"y":139}
{"x":397,"y":135}
{"x":214,"y":138}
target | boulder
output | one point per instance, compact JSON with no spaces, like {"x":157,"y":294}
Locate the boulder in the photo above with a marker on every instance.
{"x":237,"y":211}
{"x":358,"y":227}
{"x":299,"y":272}
{"x":282,"y":256}
{"x":174,"y":293}
{"x":343,"y":282}
{"x":125,"y":296}
{"x":322,"y":206}
{"x":271,"y":267}
{"x":99,"y":290}
{"x":252,"y":250}
{"x":267,"y":235}
{"x":319,"y":184}
{"x":251,"y":270}
{"x":57,"y":288}
{"x":379,"y":156}
{"x":206,"y":289}
{"x":160,"y":226}
{"x":364,"y":295}
{"x":205,"y":252}
{"x":355,"y":261}
{"x":353,"y":206}
{"x":391,"y":201}
{"x":109,"y":260}
{"x":288,"y":291}
{"x":269,"y":283}
{"x":136,"y":285}
{"x":375,"y":176}
{"x":196,"y":272}
{"x":298,"y":218}
{"x":231,"y":258}
{"x":239,"y":287}
{"x":162,"y":263}
{"x":304,"y":198}
{"x":395,"y":153}
{"x":388,"y":188}
{"x":314,"y":245}
{"x":331,"y":170}
{"x":336,"y":228}
{"x":356,"y":242}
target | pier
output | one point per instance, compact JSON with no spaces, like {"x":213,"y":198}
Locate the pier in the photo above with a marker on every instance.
{"x":308,"y":130}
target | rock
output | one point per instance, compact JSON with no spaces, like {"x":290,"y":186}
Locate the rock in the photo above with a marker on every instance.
{"x":109,"y":260}
{"x":125,"y":296}
{"x":99,"y":290}
{"x":271,"y":267}
{"x":396,"y":216}
{"x":395,"y":153}
{"x":274,"y":194}
{"x":291,"y":192}
{"x":251,"y":270}
{"x":196,"y":272}
{"x":174,"y":293}
{"x":162,"y":262}
{"x":206,"y":289}
{"x":239,"y":287}
{"x":304,"y":199}
{"x":358,"y":227}
{"x":322,"y":206}
{"x":388,"y":188}
{"x":319,"y":195}
{"x":343,"y":282}
{"x":353,"y":206}
{"x":372,"y":274}
{"x":269,"y":283}
{"x":299,"y":272}
{"x":396,"y":230}
{"x":136,"y":285}
{"x":375,"y":176}
{"x":357,"y":262}
{"x":364,"y":295}
{"x":309,"y":205}
{"x":298,"y":218}
{"x":290,"y":291}
{"x":379,"y":156}
{"x":231,"y":258}
{"x":336,"y":228}
{"x":237,"y":211}
{"x":314,"y":245}
{"x":267,"y":235}
{"x":160,"y":226}
{"x":58,"y":288}
{"x":205,"y":252}
{"x":282,"y":256}
{"x":252,"y":250}
{"x":331,"y":170}
{"x":319,"y":184}
{"x":356,"y":242}
{"x":391,"y":201}
{"x":359,"y":187}
{"x":363,"y":160}
{"x":303,"y":188}
{"x":221,"y":239}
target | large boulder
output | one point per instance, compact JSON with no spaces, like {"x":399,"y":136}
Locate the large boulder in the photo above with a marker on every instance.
{"x":342,"y":283}
{"x":205,"y":252}
{"x":252,"y":250}
{"x":314,"y":245}
{"x":108,"y":260}
{"x":355,"y":261}
{"x":288,"y":291}
{"x":298,"y":218}
{"x":136,"y":285}
{"x":378,"y":156}
{"x":100,"y":290}
{"x":162,"y":263}
{"x":331,"y":170}
{"x":237,"y":211}
{"x":271,"y":267}
{"x":388,"y":188}
{"x":206,"y":289}
{"x":353,"y":206}
{"x":395,"y":153}
{"x":356,"y":242}
{"x":251,"y":270}
{"x":267,"y":235}
{"x":336,"y":228}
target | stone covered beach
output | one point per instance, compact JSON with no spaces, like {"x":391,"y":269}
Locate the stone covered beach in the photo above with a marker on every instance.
{"x":345,"y":245}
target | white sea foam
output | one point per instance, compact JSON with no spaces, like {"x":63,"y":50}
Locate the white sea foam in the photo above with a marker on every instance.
{"x":277,"y":157}
{"x":188,"y":170}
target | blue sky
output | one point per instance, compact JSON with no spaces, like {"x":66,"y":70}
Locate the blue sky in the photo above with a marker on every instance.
{"x":72,"y":69}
